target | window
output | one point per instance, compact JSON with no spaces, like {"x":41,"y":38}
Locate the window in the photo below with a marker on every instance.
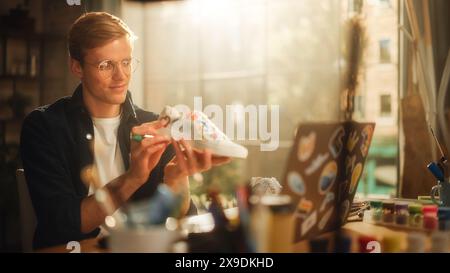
{"x":263,"y":52}
{"x":356,"y":5}
{"x":248,"y":52}
{"x":385,"y":3}
{"x":385,"y":54}
{"x":385,"y":105}
{"x":379,"y":88}
{"x":359,"y":106}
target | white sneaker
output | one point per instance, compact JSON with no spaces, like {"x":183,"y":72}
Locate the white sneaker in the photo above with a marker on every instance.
{"x":201,"y":132}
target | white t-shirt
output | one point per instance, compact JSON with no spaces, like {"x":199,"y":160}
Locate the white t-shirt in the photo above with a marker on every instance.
{"x":107,"y":156}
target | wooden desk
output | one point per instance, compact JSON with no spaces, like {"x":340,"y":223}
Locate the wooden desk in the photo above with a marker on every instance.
{"x":353,"y":229}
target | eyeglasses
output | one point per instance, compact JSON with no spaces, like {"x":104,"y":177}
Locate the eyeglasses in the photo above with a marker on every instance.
{"x":107,"y":68}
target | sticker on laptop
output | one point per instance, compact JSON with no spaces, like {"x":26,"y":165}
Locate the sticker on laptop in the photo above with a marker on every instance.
{"x":336,"y":142}
{"x":349,"y":164}
{"x":296,"y":183}
{"x":366,"y":135}
{"x":305,"y":206}
{"x":325,"y":218}
{"x":317,"y":163}
{"x":306,"y":146}
{"x":328,"y":199}
{"x":355,"y":177}
{"x":309,"y":223}
{"x":327,"y":177}
{"x":352,"y":140}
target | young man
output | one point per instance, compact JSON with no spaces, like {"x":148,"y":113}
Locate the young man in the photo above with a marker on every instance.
{"x":91,"y":130}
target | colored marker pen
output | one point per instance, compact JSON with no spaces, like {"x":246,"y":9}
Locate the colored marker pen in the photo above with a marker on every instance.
{"x":139,"y":138}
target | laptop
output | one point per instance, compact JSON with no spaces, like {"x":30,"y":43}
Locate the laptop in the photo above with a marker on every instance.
{"x":323,"y":171}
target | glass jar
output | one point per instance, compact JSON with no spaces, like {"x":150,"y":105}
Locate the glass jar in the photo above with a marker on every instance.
{"x":430,"y":219}
{"x":377,"y":211}
{"x":444,"y":218}
{"x":415,"y":215}
{"x":388,"y":212}
{"x":401,"y":214}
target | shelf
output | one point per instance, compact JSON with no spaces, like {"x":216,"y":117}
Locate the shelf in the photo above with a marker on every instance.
{"x":13,"y":119}
{"x":31,"y":36}
{"x":19,"y":77}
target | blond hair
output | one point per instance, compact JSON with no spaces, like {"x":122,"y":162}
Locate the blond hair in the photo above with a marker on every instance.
{"x":95,"y":29}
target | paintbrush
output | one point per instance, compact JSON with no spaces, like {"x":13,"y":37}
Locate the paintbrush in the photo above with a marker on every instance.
{"x":443,"y":157}
{"x":442,"y":163}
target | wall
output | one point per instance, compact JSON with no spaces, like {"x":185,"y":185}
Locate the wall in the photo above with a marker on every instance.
{"x":58,"y":81}
{"x":34,"y":7}
{"x":53,"y":19}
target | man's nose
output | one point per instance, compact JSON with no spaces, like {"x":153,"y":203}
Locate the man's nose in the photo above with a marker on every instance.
{"x":119,"y":73}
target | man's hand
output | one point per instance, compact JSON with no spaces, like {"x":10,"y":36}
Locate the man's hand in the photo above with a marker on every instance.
{"x":146,"y":153}
{"x":144,"y":157}
{"x":188,"y":161}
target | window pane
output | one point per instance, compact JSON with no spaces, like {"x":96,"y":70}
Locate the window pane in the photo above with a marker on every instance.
{"x":286,"y":53}
{"x":378,"y":94}
{"x":385,"y":54}
{"x":385,"y":105}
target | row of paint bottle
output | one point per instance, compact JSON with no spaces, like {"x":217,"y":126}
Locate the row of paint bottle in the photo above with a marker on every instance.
{"x":411,"y":215}
{"x":416,"y":242}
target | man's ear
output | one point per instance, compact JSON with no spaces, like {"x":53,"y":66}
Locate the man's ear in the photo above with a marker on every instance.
{"x":76,"y":69}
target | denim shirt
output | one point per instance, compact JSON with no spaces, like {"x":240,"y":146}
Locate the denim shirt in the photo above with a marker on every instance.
{"x":56,"y":145}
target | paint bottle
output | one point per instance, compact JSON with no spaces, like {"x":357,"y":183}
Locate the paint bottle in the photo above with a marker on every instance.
{"x":242,"y":198}
{"x":222,"y":239}
{"x":368,"y":216}
{"x":430,"y":220}
{"x":319,"y":245}
{"x":343,"y":243}
{"x":416,"y":242}
{"x":401,"y":213}
{"x":415,"y":215}
{"x":391,"y":244}
{"x":444,"y":218}
{"x":272,"y":223}
{"x":377,"y":211}
{"x":364,"y":246}
{"x":388,"y":212}
{"x":216,"y":209}
{"x":439,"y":242}
{"x":163,"y":204}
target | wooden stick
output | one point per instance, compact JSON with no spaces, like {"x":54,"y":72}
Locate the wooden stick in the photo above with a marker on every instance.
{"x":429,"y":63}
{"x":410,"y":10}
{"x":429,"y":44}
{"x":407,"y":33}
{"x":443,"y":123}
{"x":426,"y":22}
{"x":419,"y":47}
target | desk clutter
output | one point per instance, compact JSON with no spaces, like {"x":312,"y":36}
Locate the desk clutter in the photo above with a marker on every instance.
{"x":264,"y":221}
{"x":408,"y":215}
{"x":414,"y":242}
{"x":309,"y":207}
{"x":265,"y":224}
{"x":261,"y":222}
{"x":390,"y":226}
